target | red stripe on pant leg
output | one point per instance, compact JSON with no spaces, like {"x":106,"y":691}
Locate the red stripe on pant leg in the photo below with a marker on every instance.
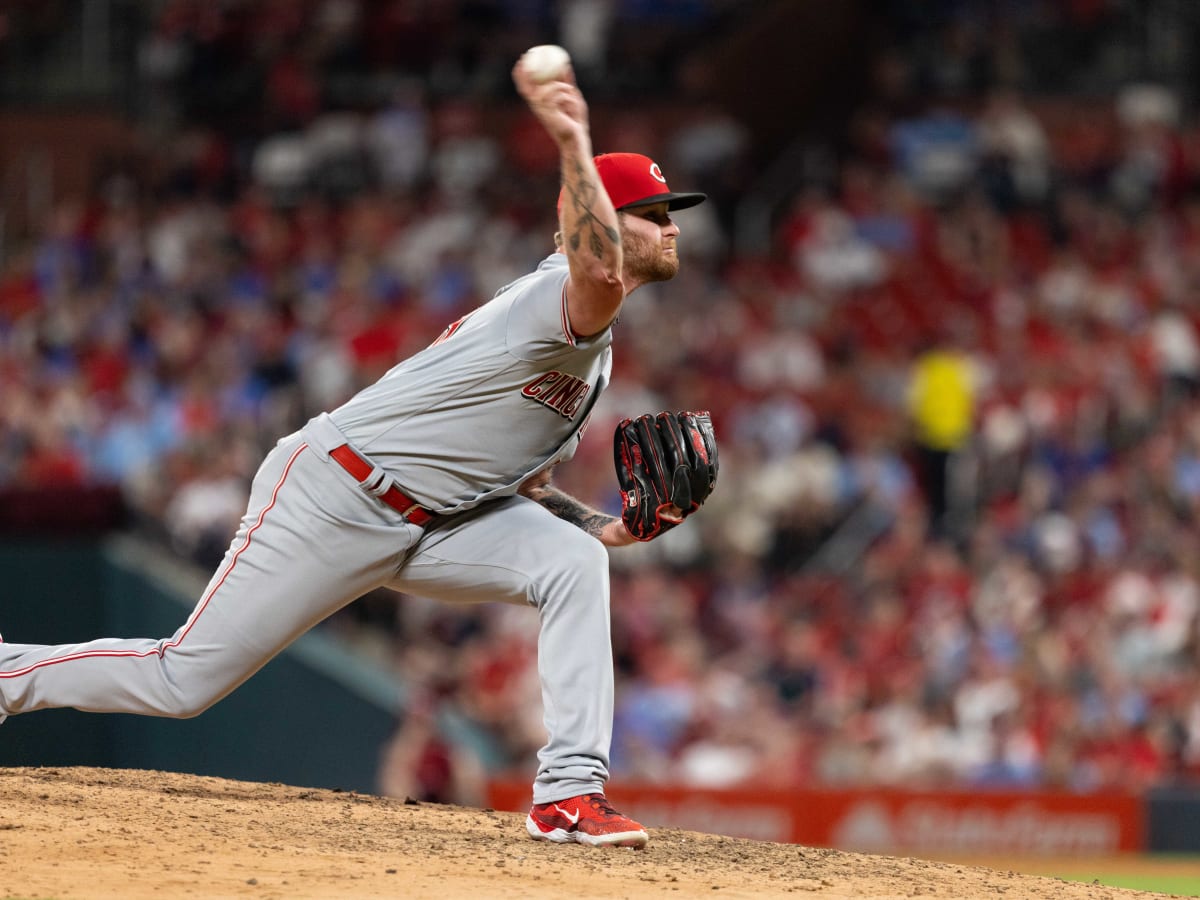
{"x":96,"y":654}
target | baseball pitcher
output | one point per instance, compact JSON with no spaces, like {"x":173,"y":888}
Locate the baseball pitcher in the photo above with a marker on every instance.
{"x":436,"y":481}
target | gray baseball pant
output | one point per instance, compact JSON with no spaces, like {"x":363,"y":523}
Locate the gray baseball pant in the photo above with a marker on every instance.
{"x":311,"y":542}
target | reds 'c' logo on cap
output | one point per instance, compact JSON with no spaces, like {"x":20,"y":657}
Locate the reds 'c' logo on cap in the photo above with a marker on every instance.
{"x":656,"y":173}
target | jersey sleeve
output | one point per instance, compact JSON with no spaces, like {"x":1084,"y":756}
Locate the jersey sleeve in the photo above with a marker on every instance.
{"x":538,"y":325}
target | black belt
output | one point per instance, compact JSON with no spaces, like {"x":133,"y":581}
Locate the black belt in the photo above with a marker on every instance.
{"x":346,"y":457}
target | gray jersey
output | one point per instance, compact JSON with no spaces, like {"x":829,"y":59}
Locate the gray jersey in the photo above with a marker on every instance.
{"x":503,"y":393}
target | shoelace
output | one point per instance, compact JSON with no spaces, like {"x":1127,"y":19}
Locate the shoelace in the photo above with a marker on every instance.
{"x":600,"y":804}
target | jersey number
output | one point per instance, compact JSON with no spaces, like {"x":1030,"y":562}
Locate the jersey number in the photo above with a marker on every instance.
{"x":450,"y":329}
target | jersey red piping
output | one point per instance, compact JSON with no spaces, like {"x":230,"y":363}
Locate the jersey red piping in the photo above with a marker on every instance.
{"x":161,"y":650}
{"x":566,"y":320}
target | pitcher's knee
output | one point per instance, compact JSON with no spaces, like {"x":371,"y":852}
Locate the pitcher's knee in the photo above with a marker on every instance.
{"x":579,"y":553}
{"x":189,"y":690}
{"x":183,"y":704}
{"x":575,"y":563}
{"x":191,"y":707}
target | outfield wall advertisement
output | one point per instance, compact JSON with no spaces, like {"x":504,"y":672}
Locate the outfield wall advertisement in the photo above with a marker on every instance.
{"x":888,"y":821}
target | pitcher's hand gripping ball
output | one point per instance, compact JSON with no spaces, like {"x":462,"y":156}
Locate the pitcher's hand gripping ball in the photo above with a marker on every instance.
{"x":546,"y":62}
{"x":666,"y":467}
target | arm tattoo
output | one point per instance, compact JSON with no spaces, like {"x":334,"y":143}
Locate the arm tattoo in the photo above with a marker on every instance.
{"x":582,"y":196}
{"x":571,"y":510}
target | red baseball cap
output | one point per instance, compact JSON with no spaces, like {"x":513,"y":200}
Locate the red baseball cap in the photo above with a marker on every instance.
{"x":632,"y":179}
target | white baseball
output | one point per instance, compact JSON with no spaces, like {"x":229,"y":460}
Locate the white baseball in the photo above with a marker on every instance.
{"x":546,"y":62}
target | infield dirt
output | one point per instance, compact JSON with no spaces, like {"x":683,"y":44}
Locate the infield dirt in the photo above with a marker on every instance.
{"x":106,"y":833}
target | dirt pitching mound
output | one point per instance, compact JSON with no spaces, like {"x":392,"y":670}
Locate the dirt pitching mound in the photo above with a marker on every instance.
{"x":107,"y":833}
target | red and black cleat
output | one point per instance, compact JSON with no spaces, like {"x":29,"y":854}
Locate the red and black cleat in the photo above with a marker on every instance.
{"x":587,"y":819}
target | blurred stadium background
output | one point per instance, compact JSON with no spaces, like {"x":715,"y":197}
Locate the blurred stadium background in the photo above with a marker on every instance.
{"x":944,"y":306}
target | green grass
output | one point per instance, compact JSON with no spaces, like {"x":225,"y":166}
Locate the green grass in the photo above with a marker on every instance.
{"x":1179,"y":875}
{"x":1180,"y":885}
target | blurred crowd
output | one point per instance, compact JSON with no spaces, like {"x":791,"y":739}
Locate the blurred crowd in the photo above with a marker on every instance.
{"x":957,"y":396}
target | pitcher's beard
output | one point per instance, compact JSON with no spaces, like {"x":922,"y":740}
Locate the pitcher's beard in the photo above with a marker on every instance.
{"x":647,"y":262}
{"x":663,"y":268}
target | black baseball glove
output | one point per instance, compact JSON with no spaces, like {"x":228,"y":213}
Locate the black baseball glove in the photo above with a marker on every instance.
{"x":666,"y":467}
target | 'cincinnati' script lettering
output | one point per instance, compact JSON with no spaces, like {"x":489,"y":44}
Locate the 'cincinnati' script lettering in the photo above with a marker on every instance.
{"x":559,"y":391}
